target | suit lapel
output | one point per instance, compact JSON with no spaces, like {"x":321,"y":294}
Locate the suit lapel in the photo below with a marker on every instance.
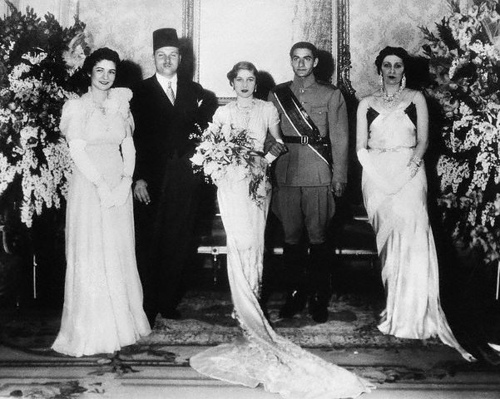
{"x":159,"y":93}
{"x":182,"y":94}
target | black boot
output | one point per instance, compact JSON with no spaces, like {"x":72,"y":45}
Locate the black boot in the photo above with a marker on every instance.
{"x":320,"y":282}
{"x":295,"y":303}
{"x":294,"y":258}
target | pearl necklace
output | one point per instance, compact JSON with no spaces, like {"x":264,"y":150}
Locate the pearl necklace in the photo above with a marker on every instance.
{"x":391,"y":99}
{"x":245,"y":111}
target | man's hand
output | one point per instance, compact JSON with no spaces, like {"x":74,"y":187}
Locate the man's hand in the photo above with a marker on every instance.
{"x":277,"y":149}
{"x":338,"y":188}
{"x":141,"y":192}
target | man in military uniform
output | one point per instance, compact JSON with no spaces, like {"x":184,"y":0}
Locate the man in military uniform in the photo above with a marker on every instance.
{"x":315,"y":129}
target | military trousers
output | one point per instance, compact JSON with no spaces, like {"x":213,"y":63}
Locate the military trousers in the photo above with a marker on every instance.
{"x":304,"y":207}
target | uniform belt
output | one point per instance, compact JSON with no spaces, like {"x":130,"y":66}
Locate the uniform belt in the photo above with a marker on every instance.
{"x":304,"y":140}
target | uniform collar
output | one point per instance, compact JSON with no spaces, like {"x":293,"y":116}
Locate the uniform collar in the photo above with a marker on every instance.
{"x":304,"y":83}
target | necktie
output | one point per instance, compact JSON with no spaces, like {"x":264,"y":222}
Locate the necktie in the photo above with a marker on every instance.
{"x":170,"y":93}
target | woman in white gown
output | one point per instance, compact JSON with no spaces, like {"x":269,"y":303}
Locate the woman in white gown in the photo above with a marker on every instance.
{"x":103,"y":295}
{"x":392,"y":137}
{"x":260,"y":356}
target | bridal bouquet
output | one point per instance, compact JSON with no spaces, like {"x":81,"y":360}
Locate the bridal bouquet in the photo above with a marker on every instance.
{"x":226,"y":152}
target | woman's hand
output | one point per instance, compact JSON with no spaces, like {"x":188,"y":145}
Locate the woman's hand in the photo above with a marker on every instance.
{"x":277,"y":149}
{"x":122,"y":191}
{"x":141,"y":193}
{"x":104,"y":193}
{"x":414,"y":165}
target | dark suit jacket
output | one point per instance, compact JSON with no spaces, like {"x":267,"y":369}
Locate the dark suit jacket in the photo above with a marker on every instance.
{"x":162,"y":130}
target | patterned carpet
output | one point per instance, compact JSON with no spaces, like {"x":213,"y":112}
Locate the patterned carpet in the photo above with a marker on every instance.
{"x":207,"y":321}
{"x":158,"y":366}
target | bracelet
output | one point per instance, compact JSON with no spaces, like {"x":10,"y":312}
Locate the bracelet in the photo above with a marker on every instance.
{"x":417,"y":161}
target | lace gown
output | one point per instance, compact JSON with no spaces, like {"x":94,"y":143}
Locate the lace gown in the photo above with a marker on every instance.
{"x":261,"y":356}
{"x":103,"y":295}
{"x":397,"y":209}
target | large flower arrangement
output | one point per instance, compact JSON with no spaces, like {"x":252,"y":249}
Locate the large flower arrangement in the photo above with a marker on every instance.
{"x":224,"y":151}
{"x":38,"y":60}
{"x":465,"y":63}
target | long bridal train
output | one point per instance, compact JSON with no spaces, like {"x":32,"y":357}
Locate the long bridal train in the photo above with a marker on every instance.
{"x":261,"y":356}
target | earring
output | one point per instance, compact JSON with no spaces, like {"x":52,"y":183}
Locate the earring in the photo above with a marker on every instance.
{"x":403,"y":82}
{"x":380,"y":80}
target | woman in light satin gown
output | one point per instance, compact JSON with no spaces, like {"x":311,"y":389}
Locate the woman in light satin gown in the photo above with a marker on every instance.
{"x":261,"y":356}
{"x":392,"y":137}
{"x":103,"y":295}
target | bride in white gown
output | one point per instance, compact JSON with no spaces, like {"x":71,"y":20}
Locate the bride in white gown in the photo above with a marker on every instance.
{"x":261,"y":356}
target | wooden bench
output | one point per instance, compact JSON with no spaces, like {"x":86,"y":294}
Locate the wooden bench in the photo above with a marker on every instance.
{"x":353,"y":238}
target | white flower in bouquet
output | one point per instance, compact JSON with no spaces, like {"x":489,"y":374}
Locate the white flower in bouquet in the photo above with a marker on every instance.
{"x":197,"y":159}
{"x":225,"y":152}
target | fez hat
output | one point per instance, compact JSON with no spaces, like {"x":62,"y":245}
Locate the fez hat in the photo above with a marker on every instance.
{"x":165,"y":37}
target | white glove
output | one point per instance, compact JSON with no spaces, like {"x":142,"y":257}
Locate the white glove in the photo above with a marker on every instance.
{"x":128,"y":154}
{"x":83,"y":161}
{"x":371,"y":171}
{"x":121,"y":192}
{"x":105,"y":195}
{"x":87,"y":168}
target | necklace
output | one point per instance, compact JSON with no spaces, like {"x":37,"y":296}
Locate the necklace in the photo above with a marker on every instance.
{"x":391,"y":99}
{"x":245,"y":111}
{"x":100,"y":104}
{"x":100,"y":107}
{"x":245,"y":108}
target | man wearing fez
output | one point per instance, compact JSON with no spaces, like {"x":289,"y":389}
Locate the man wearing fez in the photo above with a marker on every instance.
{"x":313,"y":119}
{"x":166,"y":109}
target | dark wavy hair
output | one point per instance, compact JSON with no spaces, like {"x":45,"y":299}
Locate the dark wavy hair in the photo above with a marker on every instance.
{"x":416,"y":68}
{"x":99,"y":55}
{"x":245,"y":65}
{"x":306,"y":45}
{"x":397,"y":51}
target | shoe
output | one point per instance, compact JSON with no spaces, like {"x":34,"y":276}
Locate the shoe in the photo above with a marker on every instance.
{"x":172,"y":314}
{"x":295,"y":303}
{"x":495,"y":347}
{"x":318,"y":308}
{"x":488,"y":354}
